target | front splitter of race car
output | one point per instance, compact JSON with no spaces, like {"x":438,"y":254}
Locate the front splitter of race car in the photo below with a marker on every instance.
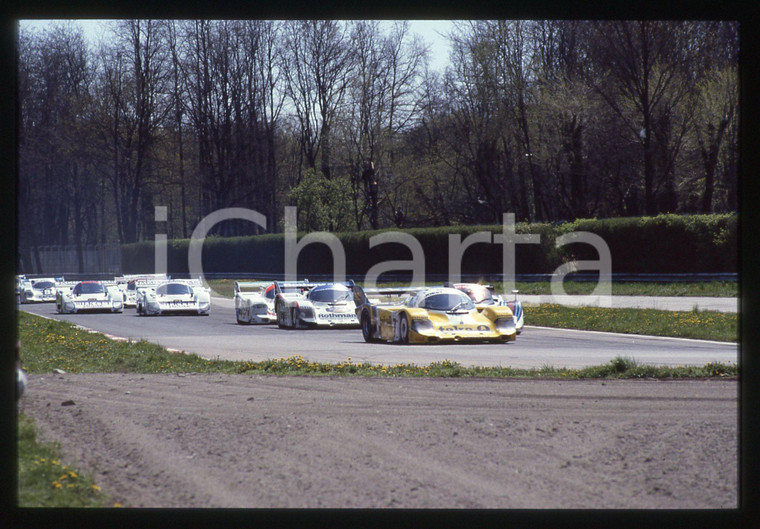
{"x":451,"y":335}
{"x":75,"y":307}
{"x":158,"y":309}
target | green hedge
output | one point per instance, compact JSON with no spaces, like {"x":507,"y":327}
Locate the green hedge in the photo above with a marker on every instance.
{"x":662,"y":244}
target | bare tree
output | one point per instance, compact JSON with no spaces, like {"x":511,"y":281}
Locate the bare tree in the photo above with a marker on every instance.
{"x":642,"y":72}
{"x":318,"y":69}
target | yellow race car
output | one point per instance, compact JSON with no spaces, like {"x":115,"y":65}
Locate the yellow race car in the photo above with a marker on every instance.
{"x":429,"y":315}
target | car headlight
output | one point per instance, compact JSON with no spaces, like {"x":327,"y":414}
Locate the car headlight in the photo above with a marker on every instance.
{"x":504,"y":325}
{"x":307,"y":313}
{"x":422,"y":325}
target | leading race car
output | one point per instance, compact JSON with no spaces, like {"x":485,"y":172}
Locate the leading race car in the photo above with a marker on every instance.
{"x":89,"y":296}
{"x":254,"y":302}
{"x":176,"y":296}
{"x":36,"y":290}
{"x":315,"y":305}
{"x":430,"y":315}
{"x":483,"y":296}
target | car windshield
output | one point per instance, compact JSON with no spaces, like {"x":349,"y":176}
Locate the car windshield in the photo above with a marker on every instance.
{"x":89,"y":288}
{"x":269,"y":293}
{"x":42,"y":285}
{"x":173,"y":289}
{"x":478,"y":293}
{"x":330,"y":295}
{"x":447,"y":301}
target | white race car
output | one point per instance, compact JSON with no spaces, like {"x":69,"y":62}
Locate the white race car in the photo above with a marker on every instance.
{"x":126,"y":284}
{"x":254,"y":302}
{"x":88,"y":296}
{"x":315,"y":305}
{"x":483,"y":296}
{"x":36,"y":290}
{"x":176,"y":296}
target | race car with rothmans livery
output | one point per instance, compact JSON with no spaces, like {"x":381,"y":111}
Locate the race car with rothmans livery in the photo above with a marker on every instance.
{"x":176,"y":296}
{"x":483,"y":296}
{"x":254,"y":302}
{"x":37,"y":290}
{"x":430,"y":315}
{"x":88,"y":296}
{"x":315,"y":305}
{"x":126,"y":284}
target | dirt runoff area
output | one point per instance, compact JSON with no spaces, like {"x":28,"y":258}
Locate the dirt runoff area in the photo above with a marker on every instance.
{"x":309,"y":442}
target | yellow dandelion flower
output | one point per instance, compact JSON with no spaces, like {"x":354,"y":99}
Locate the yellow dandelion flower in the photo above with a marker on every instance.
{"x":57,"y":485}
{"x":96,"y":488}
{"x":70,"y":486}
{"x":118,"y":505}
{"x":73,"y":474}
{"x":55,"y":462}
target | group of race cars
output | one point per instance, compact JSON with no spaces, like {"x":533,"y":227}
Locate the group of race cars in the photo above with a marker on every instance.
{"x":150,"y":294}
{"x":461,"y":312}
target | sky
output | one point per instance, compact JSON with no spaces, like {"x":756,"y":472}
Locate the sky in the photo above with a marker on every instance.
{"x":431,"y":31}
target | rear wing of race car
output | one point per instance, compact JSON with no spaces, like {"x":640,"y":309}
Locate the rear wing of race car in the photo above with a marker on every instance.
{"x":63,"y":286}
{"x":121,"y":281}
{"x":149,"y":283}
{"x":247,"y":286}
{"x":68,"y":286}
{"x":383,"y":296}
{"x":301,"y":287}
{"x":154,"y":282}
{"x":292,"y":287}
{"x":194,"y":283}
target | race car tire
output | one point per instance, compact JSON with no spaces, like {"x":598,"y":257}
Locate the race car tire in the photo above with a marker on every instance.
{"x":241,"y":322}
{"x":277,"y":312}
{"x":367,"y":331}
{"x":403,"y":329}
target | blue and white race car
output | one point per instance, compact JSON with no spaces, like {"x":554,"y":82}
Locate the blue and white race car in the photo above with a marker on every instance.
{"x":315,"y":305}
{"x":89,"y":296}
{"x":176,"y":296}
{"x":483,"y":296}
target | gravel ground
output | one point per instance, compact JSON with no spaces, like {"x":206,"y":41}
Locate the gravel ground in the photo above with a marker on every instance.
{"x":309,"y":442}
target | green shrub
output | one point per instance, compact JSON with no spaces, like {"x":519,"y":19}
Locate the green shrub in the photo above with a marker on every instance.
{"x":662,"y":244}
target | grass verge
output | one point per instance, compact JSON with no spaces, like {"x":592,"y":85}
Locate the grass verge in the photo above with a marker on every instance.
{"x":43,"y":479}
{"x":224,"y":287}
{"x":702,"y":325}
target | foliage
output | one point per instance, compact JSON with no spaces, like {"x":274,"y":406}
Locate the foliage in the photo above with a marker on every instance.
{"x":661,"y":244}
{"x":551,"y":120}
{"x":323,"y":204}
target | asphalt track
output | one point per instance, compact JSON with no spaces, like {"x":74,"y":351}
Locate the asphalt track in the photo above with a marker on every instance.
{"x":219,"y":336}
